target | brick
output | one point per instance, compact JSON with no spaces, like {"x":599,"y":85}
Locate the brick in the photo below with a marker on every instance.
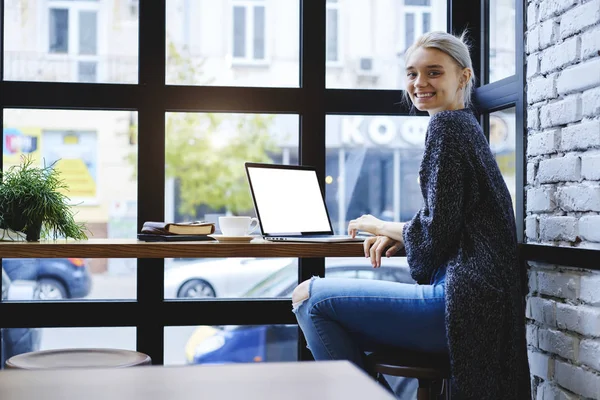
{"x":560,"y":169}
{"x":533,"y":65}
{"x":532,"y":12}
{"x":581,"y":136}
{"x":558,"y":228}
{"x":590,"y":43}
{"x":577,"y":380}
{"x":549,"y":391}
{"x":533,"y":117}
{"x":590,"y":167}
{"x":546,"y":142}
{"x":533,"y":40}
{"x":542,"y":310}
{"x":549,"y":33}
{"x":582,"y":319}
{"x":560,"y":55}
{"x":590,"y":290}
{"x":541,"y":365}
{"x":532,"y":282}
{"x":579,"y":18}
{"x":541,"y":199}
{"x":578,"y":198}
{"x":580,"y":77}
{"x":531,"y":173}
{"x":589,"y":229}
{"x":550,"y":8}
{"x":532,"y":335}
{"x":560,"y":343}
{"x":561,"y":112}
{"x":558,"y":284}
{"x":591,"y":102}
{"x":541,"y":88}
{"x":589,"y":353}
{"x":531,"y":227}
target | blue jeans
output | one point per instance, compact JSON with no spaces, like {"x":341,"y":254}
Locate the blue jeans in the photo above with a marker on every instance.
{"x":344,"y":318}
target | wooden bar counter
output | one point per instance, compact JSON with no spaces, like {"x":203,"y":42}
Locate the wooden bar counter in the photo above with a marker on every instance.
{"x":133,"y":248}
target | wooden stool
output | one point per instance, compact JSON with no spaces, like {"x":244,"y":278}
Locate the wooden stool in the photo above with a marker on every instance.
{"x":427,"y":368}
{"x":78,"y":358}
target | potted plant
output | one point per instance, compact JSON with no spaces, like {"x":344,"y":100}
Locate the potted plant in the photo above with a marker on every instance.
{"x":32,"y":202}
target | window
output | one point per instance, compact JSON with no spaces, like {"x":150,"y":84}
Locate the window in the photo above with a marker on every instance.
{"x":332,"y":32}
{"x":73,"y":33}
{"x":249,"y":31}
{"x":417,"y":20}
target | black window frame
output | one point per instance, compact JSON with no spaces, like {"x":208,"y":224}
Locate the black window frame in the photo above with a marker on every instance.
{"x":151,"y":97}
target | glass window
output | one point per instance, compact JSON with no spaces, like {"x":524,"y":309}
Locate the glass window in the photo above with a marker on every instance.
{"x":205,"y":155}
{"x":242,"y":43}
{"x":372,"y":167}
{"x":502,"y":142}
{"x":502,"y":39}
{"x":230,"y":344}
{"x":366,"y":40}
{"x":59,"y":30}
{"x":96,"y":154}
{"x":71,"y":41}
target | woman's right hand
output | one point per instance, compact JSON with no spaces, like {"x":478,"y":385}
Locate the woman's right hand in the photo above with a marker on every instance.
{"x":375,"y":246}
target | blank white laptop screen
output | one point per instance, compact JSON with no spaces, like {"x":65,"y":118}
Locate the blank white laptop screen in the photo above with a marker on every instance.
{"x":288,"y":200}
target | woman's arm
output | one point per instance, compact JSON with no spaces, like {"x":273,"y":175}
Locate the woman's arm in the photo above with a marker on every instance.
{"x":370,"y":224}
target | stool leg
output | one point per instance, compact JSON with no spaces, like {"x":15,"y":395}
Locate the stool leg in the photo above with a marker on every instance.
{"x":423,"y":393}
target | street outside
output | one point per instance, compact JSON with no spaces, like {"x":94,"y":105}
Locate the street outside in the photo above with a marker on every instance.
{"x":106,"y":286}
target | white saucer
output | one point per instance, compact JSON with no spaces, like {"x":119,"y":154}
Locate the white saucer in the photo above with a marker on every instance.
{"x":233,"y":239}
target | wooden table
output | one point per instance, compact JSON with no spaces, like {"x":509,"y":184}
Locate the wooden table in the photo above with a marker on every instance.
{"x":322,"y":380}
{"x":133,"y":248}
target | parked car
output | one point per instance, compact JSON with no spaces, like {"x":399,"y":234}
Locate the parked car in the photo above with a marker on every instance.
{"x":57,"y":278}
{"x":229,"y":277}
{"x":15,"y":341}
{"x":256,"y":343}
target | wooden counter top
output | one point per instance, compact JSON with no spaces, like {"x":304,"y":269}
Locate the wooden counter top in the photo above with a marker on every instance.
{"x":133,"y":248}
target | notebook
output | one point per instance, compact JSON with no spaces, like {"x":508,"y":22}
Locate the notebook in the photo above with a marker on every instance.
{"x":289,"y":204}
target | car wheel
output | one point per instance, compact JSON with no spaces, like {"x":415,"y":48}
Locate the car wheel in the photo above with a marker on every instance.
{"x":196,"y":288}
{"x":51,"y":289}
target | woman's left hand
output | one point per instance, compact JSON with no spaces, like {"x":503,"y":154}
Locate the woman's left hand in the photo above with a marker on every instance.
{"x":376,"y":246}
{"x":366,"y":223}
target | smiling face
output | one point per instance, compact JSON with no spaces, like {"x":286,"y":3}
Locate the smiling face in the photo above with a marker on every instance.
{"x":434,"y":81}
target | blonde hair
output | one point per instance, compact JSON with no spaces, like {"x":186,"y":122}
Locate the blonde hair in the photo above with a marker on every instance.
{"x":455,"y":47}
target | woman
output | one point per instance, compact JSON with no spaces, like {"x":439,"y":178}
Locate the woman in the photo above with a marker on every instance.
{"x":461,"y":248}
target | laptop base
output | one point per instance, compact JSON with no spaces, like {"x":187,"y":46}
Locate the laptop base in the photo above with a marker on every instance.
{"x":316,"y":239}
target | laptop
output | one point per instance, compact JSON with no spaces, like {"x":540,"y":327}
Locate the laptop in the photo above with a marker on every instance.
{"x":289,"y":204}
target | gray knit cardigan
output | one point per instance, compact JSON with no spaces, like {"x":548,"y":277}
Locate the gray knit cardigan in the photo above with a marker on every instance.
{"x":467,"y":224}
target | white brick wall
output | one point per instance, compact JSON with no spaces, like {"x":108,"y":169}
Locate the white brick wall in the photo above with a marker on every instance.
{"x":562,"y":194}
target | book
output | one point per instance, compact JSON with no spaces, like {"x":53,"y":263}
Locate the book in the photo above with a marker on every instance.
{"x":153,"y":237}
{"x":178,"y":228}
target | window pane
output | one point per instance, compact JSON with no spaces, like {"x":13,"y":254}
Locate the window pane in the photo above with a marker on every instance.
{"x":96,"y":154}
{"x":502,"y":39}
{"x":59,"y":30}
{"x":240,"y":43}
{"x":371,"y":38}
{"x":23,"y":340}
{"x":230,"y":344}
{"x":205,"y":155}
{"x":239,"y":31}
{"x":88,"y":35}
{"x":71,"y":41}
{"x":502,"y":143}
{"x":259,"y":33}
{"x":372,"y":167}
{"x":426,"y":22}
{"x":409,"y":29}
{"x":331,"y":34}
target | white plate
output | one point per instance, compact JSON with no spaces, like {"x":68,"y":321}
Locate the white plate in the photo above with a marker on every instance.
{"x":232,"y":239}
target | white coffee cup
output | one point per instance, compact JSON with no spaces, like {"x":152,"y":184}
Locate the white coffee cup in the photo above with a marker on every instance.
{"x":237,"y":226}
